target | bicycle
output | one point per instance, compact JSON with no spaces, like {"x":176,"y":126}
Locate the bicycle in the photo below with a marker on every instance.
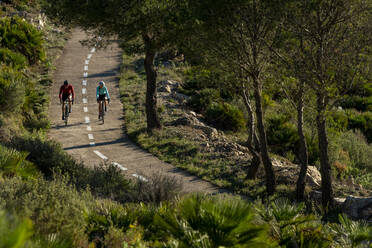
{"x":66,"y":110}
{"x":102,"y":110}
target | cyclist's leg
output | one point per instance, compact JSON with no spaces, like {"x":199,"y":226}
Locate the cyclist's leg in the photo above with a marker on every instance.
{"x":69,"y":103}
{"x":99,"y":108}
{"x":105,"y":104}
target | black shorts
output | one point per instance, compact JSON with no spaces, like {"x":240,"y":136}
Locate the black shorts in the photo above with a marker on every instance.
{"x":65,"y":97}
{"x":102,"y":97}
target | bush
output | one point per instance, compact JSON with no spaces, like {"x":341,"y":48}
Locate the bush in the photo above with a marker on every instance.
{"x":11,"y":90}
{"x":202,"y":221}
{"x":14,"y":163}
{"x":361,"y":121}
{"x":281,"y":134}
{"x":48,"y":156}
{"x":225,"y":116}
{"x":356,"y":102}
{"x":20,"y":36}
{"x":12,"y":59}
{"x":352,"y":150}
{"x":54,"y":207}
{"x":202,"y":99}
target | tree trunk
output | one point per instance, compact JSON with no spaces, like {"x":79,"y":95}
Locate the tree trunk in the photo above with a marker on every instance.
{"x":252,"y":142}
{"x":325,"y":167}
{"x":303,"y":153}
{"x":151,"y":98}
{"x":270,"y":176}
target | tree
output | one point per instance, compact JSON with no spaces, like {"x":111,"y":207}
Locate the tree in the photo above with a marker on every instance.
{"x":328,"y":34}
{"x":145,"y":26}
{"x":239,"y":34}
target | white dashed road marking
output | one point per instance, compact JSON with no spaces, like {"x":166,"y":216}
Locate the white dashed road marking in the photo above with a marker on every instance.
{"x":100,"y":155}
{"x":84,"y":91}
{"x":89,"y":128}
{"x":85,"y":68}
{"x":85,"y":109}
{"x":119,"y":166}
{"x":84,"y":82}
{"x":89,"y":56}
{"x":85,"y":100}
{"x":85,"y":74}
{"x":87,"y":62}
{"x":92,"y":144}
{"x":140,"y":177}
{"x":93,"y":50}
{"x":87,"y":120}
{"x":90,"y":136}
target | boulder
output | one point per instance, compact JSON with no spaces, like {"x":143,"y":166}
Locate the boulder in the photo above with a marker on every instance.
{"x":165,"y":88}
{"x":358,"y":207}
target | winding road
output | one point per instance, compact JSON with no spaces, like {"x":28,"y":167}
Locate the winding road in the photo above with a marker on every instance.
{"x":86,"y":138}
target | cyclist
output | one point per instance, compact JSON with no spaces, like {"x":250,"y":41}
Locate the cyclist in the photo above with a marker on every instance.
{"x":66,"y":92}
{"x":102,"y":94}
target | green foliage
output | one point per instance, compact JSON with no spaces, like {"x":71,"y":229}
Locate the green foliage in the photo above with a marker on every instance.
{"x":350,"y":154}
{"x":11,"y":90}
{"x":14,"y":163}
{"x":202,"y":99}
{"x":361,"y":121}
{"x":47,"y":155}
{"x":55,"y":207}
{"x":12,"y":59}
{"x":352,"y":233}
{"x":225,"y":116}
{"x":281,"y":134}
{"x":14,"y":233}
{"x":292,"y":227}
{"x":20,"y":36}
{"x":356,"y":102}
{"x":201,"y":221}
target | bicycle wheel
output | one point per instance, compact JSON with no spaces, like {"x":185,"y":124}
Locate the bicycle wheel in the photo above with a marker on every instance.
{"x":103,"y":111}
{"x":66,"y":113}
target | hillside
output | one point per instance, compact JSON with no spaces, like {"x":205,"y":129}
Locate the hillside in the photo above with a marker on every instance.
{"x":201,"y":146}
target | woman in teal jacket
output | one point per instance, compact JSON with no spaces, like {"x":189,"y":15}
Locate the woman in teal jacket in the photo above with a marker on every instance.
{"x":102,"y":94}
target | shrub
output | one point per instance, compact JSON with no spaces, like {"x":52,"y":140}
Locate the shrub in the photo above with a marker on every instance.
{"x":157,"y":189}
{"x":20,"y":36}
{"x":356,"y":102}
{"x":351,"y":149}
{"x":12,"y":59}
{"x":202,"y":99}
{"x":281,"y":134}
{"x":202,"y":221}
{"x":361,"y":121}
{"x":11,"y":90}
{"x":225,"y":116}
{"x":53,"y":206}
{"x":14,"y":163}
{"x":47,"y":155}
{"x":14,"y":232}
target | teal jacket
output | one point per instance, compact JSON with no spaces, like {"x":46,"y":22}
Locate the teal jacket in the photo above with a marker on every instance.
{"x":102,"y":91}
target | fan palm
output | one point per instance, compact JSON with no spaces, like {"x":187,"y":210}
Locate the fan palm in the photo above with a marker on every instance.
{"x":202,"y":221}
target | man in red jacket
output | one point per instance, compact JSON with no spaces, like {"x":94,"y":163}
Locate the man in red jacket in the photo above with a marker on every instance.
{"x":66,"y":92}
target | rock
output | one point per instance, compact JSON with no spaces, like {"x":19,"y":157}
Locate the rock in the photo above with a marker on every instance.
{"x":210,"y":131}
{"x":192,"y":113}
{"x":165,"y":88}
{"x":180,"y":97}
{"x":313,"y":176}
{"x":358,"y":207}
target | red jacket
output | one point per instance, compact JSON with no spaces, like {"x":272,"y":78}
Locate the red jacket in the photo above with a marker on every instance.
{"x":66,"y":90}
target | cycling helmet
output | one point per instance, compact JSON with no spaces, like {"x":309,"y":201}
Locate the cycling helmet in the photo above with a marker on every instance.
{"x":102,"y":83}
{"x":65,"y":82}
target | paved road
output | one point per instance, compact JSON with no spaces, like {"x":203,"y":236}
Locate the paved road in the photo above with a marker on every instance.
{"x":85,"y":138}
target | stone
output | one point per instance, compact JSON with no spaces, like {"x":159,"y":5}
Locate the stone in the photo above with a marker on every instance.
{"x":358,"y":207}
{"x":192,"y":113}
{"x":165,"y":88}
{"x":313,"y":176}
